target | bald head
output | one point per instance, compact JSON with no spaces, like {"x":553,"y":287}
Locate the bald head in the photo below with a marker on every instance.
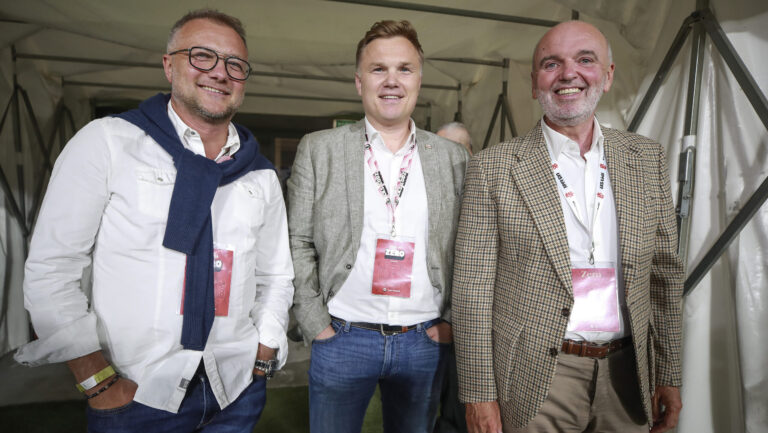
{"x":456,"y":132}
{"x":569,"y":28}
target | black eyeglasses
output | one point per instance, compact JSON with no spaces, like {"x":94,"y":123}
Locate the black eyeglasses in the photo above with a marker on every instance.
{"x":205,"y":59}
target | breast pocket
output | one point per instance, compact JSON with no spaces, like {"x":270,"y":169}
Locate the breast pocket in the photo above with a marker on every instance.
{"x":247,"y":204}
{"x":154,"y":189}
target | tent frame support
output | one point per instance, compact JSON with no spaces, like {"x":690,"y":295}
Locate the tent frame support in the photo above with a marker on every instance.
{"x":18,"y":208}
{"x":704,"y":17}
{"x":502,"y":106}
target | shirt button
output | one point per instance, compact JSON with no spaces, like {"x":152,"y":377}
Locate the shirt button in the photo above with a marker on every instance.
{"x":553,"y":351}
{"x":566,"y":312}
{"x":348,"y":266}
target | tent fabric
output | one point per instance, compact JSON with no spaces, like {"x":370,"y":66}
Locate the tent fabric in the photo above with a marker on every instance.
{"x":725,"y":386}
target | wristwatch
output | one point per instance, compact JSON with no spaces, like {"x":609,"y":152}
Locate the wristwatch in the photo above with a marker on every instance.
{"x":268,"y":367}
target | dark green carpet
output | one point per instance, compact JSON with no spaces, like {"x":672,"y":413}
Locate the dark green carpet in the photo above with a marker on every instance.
{"x":287,"y":411}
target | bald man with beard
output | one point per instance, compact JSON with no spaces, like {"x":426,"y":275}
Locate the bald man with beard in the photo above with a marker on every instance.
{"x":567,"y":285}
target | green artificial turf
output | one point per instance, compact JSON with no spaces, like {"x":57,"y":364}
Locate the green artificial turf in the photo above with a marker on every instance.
{"x":287,"y":411}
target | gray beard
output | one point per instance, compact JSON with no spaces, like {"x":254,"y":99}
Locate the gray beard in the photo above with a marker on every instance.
{"x":562,"y":116}
{"x":213,"y":117}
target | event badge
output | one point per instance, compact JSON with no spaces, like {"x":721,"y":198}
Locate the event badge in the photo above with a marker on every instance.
{"x":596,"y":299}
{"x":222,"y":281}
{"x":393,"y":268}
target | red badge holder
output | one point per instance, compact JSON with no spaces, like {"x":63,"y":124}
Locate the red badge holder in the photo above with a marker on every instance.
{"x":393,"y":268}
{"x":222,"y":281}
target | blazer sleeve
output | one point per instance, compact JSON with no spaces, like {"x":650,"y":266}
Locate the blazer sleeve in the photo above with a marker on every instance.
{"x":666,"y":286}
{"x":308,"y":306}
{"x":473,"y":287}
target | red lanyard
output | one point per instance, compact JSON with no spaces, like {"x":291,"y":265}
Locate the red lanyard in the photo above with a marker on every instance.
{"x":570,"y":198}
{"x":405,"y":167}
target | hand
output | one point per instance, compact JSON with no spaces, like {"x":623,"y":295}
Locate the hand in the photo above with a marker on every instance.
{"x":264,"y":353}
{"x":483,"y":417}
{"x":326,"y":333}
{"x":119,"y":394}
{"x":669,"y":396}
{"x":442,"y":332}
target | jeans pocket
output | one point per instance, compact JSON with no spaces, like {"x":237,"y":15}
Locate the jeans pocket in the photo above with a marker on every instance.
{"x":112,"y":410}
{"x":338,"y":328}
{"x":433,"y":342}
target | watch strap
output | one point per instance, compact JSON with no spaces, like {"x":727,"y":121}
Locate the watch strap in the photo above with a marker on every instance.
{"x":94,"y":380}
{"x":268,"y":367}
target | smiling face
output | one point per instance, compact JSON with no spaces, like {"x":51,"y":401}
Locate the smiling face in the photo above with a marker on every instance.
{"x":211,"y":97}
{"x":571,"y":71}
{"x":388,"y":79}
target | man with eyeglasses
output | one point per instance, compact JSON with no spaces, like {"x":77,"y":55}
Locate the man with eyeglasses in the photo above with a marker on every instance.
{"x":184,"y":224}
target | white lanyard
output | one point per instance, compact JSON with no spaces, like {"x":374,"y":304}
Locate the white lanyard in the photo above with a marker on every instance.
{"x":405,"y":167}
{"x":570,"y":198}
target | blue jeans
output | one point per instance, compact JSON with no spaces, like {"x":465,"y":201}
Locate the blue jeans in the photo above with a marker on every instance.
{"x":345,"y":369}
{"x":199,"y":412}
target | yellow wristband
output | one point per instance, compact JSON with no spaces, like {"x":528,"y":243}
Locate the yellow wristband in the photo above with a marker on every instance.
{"x":95,"y":379}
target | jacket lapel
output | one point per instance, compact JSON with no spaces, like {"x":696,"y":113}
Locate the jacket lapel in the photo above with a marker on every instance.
{"x":354,"y":160}
{"x":625,"y":171}
{"x":533,"y":175}
{"x":430,"y":166}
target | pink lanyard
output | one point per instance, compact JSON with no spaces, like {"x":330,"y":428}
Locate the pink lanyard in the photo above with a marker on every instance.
{"x":405,"y":167}
{"x":570,"y":198}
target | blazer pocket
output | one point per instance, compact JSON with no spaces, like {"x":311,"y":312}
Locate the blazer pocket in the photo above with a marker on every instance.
{"x":505,"y":354}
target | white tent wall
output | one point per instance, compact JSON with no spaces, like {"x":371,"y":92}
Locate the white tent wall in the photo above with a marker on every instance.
{"x":724,"y":377}
{"x":725,"y":352}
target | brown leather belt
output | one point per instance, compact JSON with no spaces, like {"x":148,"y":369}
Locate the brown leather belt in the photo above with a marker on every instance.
{"x":384,"y":329}
{"x":592,"y":350}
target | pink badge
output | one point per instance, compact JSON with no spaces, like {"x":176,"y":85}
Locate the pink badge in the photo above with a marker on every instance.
{"x":596,"y":302}
{"x":392,"y":268}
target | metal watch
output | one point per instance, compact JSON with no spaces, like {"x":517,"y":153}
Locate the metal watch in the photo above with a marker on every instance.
{"x":268,"y":367}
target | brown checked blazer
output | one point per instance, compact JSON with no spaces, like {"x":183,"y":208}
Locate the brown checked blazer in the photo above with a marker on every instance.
{"x":512,"y":280}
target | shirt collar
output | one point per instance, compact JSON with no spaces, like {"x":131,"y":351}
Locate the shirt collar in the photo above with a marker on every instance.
{"x":374,"y":137}
{"x":191,"y":138}
{"x":558,"y":143}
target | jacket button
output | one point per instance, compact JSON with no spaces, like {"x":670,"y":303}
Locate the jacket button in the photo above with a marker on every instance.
{"x":553,"y":351}
{"x":348,"y":266}
{"x":566,"y":311}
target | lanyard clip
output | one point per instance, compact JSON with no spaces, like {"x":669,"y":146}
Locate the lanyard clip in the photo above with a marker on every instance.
{"x":592,"y":254}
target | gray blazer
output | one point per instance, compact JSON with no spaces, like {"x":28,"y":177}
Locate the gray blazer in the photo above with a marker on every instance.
{"x":325,"y":215}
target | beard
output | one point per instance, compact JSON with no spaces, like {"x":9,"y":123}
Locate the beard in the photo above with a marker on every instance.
{"x":194,"y":105}
{"x":571,"y":113}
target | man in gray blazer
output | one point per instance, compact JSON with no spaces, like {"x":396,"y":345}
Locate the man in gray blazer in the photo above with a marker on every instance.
{"x":373,"y":210}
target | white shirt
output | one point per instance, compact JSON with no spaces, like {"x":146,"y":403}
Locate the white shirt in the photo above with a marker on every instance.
{"x":582,"y":176}
{"x":107,"y":203}
{"x":354,"y":301}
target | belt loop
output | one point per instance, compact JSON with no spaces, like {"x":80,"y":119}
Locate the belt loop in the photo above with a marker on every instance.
{"x":419,"y":327}
{"x":583,"y":351}
{"x":346,"y":325}
{"x":381,"y":329}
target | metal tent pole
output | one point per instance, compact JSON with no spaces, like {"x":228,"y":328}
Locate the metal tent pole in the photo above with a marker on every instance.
{"x":687,"y":165}
{"x":759,"y":197}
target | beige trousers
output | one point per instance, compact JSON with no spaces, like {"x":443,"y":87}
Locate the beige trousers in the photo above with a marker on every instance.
{"x":591,"y":395}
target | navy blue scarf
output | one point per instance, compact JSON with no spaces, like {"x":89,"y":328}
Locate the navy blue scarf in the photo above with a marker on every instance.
{"x":188,"y":228}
